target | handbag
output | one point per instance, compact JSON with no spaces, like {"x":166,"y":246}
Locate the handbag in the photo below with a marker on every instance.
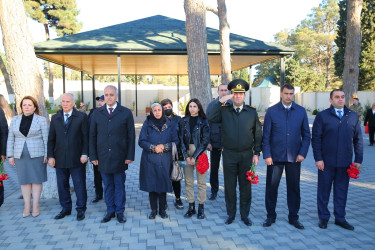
{"x":176,"y":174}
{"x":366,"y":129}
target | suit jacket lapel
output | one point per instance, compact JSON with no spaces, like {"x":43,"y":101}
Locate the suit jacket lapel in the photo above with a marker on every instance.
{"x":34,"y":123}
{"x":17,"y":125}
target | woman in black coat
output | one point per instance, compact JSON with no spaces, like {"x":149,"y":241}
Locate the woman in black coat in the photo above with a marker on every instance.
{"x":175,"y":119}
{"x":156,"y":138}
{"x":194,"y":137}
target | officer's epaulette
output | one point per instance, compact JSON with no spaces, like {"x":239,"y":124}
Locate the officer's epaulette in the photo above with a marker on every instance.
{"x":251,"y":106}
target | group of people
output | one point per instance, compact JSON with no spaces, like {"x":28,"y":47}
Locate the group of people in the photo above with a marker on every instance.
{"x":229,"y":128}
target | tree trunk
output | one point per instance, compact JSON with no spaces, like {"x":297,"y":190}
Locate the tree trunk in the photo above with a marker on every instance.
{"x":23,"y":68}
{"x":352,"y":49}
{"x":50,"y":70}
{"x":7,"y":80}
{"x":224,"y":29}
{"x":196,"y":42}
{"x":19,"y":51}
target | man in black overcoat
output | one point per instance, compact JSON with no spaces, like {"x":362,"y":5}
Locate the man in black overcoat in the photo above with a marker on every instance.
{"x":67,"y":151}
{"x":112,"y":147}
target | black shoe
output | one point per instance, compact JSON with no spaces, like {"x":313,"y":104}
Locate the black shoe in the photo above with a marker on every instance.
{"x":247,"y":221}
{"x":229,"y":220}
{"x":323,"y":223}
{"x":152,"y":214}
{"x":296,"y":224}
{"x":163,"y":214}
{"x":97,"y":198}
{"x":108,"y":217}
{"x":268,"y":222}
{"x":200,"y":214}
{"x":62,"y":214}
{"x":212,"y":196}
{"x":121,"y":218}
{"x":371,"y":144}
{"x":190,"y":211}
{"x":80,"y":215}
{"x":178,"y":204}
{"x":344,"y":224}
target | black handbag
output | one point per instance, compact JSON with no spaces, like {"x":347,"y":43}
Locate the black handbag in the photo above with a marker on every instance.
{"x":176,"y":173}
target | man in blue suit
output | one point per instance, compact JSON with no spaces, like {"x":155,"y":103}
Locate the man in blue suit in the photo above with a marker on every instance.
{"x":112,"y":147}
{"x":286,"y":140}
{"x":335,"y":132}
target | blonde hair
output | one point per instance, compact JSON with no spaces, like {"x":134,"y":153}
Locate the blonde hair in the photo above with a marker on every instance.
{"x":5,"y":106}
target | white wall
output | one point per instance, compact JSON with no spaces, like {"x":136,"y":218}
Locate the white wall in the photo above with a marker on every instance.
{"x":261,"y":98}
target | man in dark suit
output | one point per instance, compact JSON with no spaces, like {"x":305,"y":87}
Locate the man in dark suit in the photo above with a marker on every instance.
{"x":97,"y":176}
{"x":112,"y":147}
{"x":286,"y":140}
{"x":335,"y":132}
{"x":67,"y":151}
{"x":215,"y":146}
{"x":3,"y":146}
{"x":370,"y":119}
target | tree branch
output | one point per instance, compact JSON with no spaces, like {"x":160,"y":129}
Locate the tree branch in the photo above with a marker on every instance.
{"x":212,"y":9}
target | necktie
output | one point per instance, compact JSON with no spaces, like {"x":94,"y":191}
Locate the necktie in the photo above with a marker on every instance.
{"x":110,"y":111}
{"x":237,"y":110}
{"x":66,"y":120}
{"x":339,"y":112}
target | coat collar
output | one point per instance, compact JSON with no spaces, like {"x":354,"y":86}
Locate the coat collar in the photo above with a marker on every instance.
{"x":117,"y":110}
{"x":333,"y":112}
{"x":280,"y":105}
{"x":34,"y":122}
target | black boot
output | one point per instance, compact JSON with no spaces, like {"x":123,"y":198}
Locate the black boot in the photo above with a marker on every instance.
{"x":200,"y":214}
{"x":190,"y":211}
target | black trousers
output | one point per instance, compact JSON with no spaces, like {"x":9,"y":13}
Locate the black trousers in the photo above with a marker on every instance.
{"x":1,"y":193}
{"x":79,"y":182}
{"x":154,"y":197}
{"x":98,"y":181}
{"x":214,"y":170}
{"x":176,"y":185}
{"x":236,"y":164}
{"x":371,"y":131}
{"x":274,"y":173}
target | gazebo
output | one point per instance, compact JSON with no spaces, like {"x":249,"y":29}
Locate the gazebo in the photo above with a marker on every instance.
{"x":154,"y":45}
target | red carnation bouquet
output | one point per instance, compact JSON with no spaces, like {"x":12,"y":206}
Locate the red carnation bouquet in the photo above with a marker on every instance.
{"x":202,"y":165}
{"x":251,"y":176}
{"x":354,"y":171}
{"x":2,"y":175}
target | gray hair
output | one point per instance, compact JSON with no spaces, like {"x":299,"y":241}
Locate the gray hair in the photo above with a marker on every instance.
{"x":111,"y":86}
{"x":74,"y":99}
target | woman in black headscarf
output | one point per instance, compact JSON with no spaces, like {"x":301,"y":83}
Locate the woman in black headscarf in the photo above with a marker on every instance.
{"x":156,"y":138}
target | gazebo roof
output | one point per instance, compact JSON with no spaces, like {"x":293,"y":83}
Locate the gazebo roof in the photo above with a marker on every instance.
{"x":268,"y":82}
{"x":154,"y":45}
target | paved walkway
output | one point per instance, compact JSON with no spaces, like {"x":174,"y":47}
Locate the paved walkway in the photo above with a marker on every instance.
{"x":176,"y":232}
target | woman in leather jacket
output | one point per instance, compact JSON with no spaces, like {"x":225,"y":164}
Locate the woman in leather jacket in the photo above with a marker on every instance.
{"x":194,"y":136}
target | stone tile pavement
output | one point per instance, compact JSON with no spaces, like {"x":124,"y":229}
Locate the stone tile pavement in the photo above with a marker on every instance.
{"x":176,"y":232}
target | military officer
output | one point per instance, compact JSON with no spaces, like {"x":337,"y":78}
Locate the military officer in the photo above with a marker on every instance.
{"x":356,"y":107}
{"x":242,"y":144}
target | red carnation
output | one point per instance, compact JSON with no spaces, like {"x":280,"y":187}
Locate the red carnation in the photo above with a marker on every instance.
{"x":203,"y":164}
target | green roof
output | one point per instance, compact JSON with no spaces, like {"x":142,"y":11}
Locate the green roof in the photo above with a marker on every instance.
{"x":158,"y":34}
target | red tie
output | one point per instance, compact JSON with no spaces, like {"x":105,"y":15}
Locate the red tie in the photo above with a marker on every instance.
{"x":110,"y":111}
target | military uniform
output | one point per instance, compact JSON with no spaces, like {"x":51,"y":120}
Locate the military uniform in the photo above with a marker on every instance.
{"x":241,"y":139}
{"x":358,"y":109}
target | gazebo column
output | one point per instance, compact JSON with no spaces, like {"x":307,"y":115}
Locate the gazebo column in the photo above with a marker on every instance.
{"x":63,"y":77}
{"x":136,"y":95}
{"x":93,"y":92}
{"x":282,"y":71}
{"x":250,"y":71}
{"x":178,"y":93}
{"x":119,"y":77}
{"x":82,"y":86}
